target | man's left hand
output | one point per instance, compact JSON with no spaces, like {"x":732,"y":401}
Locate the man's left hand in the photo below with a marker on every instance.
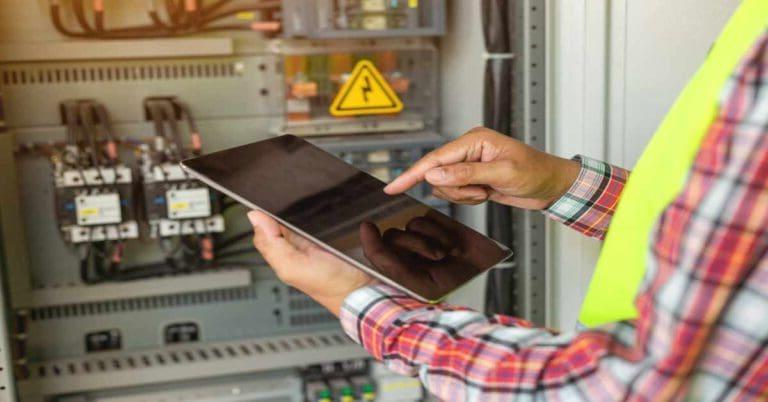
{"x":305,"y":266}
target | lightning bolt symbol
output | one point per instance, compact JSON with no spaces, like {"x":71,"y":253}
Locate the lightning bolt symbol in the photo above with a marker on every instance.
{"x":366,"y":88}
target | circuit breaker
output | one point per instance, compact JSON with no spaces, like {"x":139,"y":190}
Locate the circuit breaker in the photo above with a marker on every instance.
{"x":94,"y":204}
{"x":94,"y":187}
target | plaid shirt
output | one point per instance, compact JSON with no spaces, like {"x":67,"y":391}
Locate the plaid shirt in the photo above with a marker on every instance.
{"x":702,"y":329}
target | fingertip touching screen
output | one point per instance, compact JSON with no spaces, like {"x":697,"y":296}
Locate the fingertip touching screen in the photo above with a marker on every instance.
{"x":401,"y":240}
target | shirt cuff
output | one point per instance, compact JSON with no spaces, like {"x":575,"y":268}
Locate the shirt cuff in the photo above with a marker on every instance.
{"x":367,"y":312}
{"x":590,"y":202}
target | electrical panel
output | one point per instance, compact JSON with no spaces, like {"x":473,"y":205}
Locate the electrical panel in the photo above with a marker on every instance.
{"x":128,"y":280}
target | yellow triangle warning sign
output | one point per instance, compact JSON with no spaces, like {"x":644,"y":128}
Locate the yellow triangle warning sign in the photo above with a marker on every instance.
{"x":365,"y":92}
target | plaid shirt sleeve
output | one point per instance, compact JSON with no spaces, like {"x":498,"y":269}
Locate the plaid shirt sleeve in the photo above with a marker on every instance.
{"x":702,"y":328}
{"x":589,"y":204}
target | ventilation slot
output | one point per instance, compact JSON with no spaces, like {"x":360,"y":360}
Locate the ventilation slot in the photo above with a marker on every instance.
{"x":186,"y":356}
{"x":148,"y":303}
{"x":299,"y":320}
{"x":302,"y":303}
{"x":144,"y":72}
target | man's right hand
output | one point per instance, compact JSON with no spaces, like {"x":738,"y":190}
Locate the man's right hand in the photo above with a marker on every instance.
{"x":486,"y":165}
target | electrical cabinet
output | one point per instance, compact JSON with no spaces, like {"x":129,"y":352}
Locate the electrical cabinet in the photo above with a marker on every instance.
{"x":125,"y":280}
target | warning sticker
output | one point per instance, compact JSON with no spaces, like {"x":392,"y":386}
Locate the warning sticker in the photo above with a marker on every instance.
{"x":366,"y":92}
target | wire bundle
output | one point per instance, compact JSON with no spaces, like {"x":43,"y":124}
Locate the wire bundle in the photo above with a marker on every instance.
{"x":179,"y":18}
{"x":91,"y":144}
{"x":185,"y":252}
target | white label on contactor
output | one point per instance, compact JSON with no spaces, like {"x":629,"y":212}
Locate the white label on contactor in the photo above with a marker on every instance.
{"x":98,"y":209}
{"x":188,"y":203}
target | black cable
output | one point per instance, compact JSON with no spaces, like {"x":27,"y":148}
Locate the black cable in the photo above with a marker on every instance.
{"x":75,"y":135}
{"x":157,"y":119}
{"x":232,"y":253}
{"x":85,"y":111}
{"x":169,"y":114}
{"x":105,"y":121}
{"x":228,"y":242}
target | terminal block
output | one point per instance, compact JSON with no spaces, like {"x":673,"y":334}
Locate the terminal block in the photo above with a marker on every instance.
{"x":335,"y":19}
{"x":176,"y":204}
{"x":95,"y":204}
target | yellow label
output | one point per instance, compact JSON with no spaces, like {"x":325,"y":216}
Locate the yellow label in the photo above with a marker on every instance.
{"x":180,"y":206}
{"x":366,"y":92}
{"x":400,"y":385}
{"x":88,"y":211}
{"x":413,"y":3}
{"x":246,"y":15}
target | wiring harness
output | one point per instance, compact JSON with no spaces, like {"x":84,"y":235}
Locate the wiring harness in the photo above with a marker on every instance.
{"x":174,"y":18}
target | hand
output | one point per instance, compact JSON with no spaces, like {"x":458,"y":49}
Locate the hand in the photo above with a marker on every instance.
{"x":305,"y":266}
{"x":485,"y":165}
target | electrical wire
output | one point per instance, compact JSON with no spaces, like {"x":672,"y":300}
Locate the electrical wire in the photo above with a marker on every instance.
{"x":185,"y":18}
{"x":228,"y":242}
{"x":169,"y":116}
{"x":194,"y":132}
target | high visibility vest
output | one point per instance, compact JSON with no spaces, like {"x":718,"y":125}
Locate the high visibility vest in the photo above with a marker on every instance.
{"x":660,"y":174}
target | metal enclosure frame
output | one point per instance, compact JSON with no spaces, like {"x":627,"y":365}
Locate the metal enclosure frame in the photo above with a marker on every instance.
{"x":531,"y":122}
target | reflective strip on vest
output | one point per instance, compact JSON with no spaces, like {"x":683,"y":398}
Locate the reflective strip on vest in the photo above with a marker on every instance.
{"x":660,"y":174}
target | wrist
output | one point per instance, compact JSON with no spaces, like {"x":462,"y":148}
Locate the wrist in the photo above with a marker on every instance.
{"x":565,"y":172}
{"x":333,"y":301}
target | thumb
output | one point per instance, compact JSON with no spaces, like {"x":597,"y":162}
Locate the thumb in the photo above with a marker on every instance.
{"x":269,"y":240}
{"x":493,"y":173}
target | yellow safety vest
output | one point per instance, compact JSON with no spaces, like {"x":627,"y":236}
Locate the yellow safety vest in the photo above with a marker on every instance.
{"x":661,"y":172}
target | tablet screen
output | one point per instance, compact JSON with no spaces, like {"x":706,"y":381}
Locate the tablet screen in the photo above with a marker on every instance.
{"x":397,"y":237}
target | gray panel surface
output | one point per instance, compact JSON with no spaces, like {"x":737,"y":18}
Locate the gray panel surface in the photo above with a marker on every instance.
{"x":223,"y":315}
{"x":224,"y":87}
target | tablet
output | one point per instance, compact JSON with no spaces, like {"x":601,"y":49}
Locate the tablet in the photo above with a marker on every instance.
{"x":397,"y":239}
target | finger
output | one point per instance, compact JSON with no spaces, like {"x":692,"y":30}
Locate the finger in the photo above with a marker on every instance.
{"x":432,"y":230}
{"x":452,"y":152}
{"x":493,"y":173}
{"x":454,"y":194}
{"x":414,"y":243}
{"x":463,"y":195}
